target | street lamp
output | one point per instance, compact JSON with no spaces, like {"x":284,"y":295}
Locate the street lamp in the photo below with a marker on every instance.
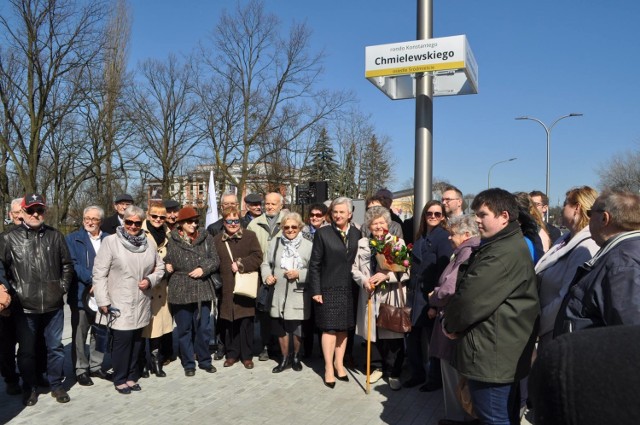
{"x":493,"y":165}
{"x":548,"y":131}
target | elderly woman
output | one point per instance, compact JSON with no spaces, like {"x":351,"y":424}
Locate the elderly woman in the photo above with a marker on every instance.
{"x":330,"y":281}
{"x":430,"y":256}
{"x":369,"y":277}
{"x":124,"y":269}
{"x":556,"y":268}
{"x":191,"y":259}
{"x":286,"y":267}
{"x":464,"y":236}
{"x":240,"y":252}
{"x":160,"y":328}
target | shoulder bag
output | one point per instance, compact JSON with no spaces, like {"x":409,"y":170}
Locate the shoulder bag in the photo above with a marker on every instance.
{"x":265,"y":292}
{"x":395,"y":318}
{"x":246,"y":284}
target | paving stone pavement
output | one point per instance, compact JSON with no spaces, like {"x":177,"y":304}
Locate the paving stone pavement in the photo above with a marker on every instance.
{"x":233,"y":395}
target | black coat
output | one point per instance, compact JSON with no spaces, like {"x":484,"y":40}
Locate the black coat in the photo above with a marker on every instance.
{"x":330,"y":276}
{"x":38,"y":267}
{"x":110,"y":224}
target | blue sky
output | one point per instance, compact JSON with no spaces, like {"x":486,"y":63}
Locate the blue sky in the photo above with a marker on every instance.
{"x":543,"y":59}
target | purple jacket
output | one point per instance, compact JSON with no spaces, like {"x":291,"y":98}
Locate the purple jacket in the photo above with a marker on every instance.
{"x":441,"y":346}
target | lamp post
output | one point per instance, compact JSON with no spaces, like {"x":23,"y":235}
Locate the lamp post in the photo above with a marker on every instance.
{"x":491,"y":168}
{"x":548,"y":131}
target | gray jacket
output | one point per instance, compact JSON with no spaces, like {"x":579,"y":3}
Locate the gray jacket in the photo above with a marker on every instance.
{"x":116,"y":273}
{"x":291,"y":299}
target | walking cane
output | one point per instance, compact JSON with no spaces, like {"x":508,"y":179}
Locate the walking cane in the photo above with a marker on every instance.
{"x":369,"y":312}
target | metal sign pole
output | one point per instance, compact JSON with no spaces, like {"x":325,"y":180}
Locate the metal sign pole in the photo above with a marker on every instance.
{"x":423,"y":171}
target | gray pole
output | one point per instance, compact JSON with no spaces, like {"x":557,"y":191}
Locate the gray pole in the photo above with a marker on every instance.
{"x":548,"y":131}
{"x":491,"y":168}
{"x":423,"y":169}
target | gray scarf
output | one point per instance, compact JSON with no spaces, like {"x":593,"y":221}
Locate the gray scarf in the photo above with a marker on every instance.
{"x":132,"y":243}
{"x":291,"y":259}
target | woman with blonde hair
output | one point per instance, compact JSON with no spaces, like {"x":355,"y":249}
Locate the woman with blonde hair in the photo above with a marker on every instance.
{"x":160,"y":328}
{"x":556,"y":268}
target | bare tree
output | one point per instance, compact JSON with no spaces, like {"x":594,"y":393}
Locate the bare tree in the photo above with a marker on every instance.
{"x":621,"y":171}
{"x":47,"y":48}
{"x":163,"y":112}
{"x":260,"y":82}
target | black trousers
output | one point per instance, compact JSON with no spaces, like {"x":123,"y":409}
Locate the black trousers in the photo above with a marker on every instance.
{"x":125,"y":351}
{"x":392,"y":354}
{"x":239,"y":338}
{"x":8,"y":342}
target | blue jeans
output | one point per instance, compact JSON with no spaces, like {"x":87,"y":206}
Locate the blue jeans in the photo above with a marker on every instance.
{"x":193,"y":333}
{"x":495,"y":404}
{"x":28,"y":326}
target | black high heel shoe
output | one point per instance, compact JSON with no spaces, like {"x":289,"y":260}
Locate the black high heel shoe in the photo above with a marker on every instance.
{"x":330,"y":384}
{"x":344,"y":378}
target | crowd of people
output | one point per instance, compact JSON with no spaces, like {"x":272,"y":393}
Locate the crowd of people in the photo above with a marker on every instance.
{"x":488,"y":291}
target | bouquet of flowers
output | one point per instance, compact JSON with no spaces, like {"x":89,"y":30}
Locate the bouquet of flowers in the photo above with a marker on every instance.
{"x":391,"y":253}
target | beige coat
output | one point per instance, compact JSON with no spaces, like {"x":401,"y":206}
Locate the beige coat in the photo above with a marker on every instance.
{"x":116,"y":273}
{"x":361,"y":271}
{"x":161,"y":321}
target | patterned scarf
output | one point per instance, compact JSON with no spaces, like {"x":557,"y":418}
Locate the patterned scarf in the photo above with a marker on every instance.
{"x":132,"y":243}
{"x":291,"y":259}
{"x":236,"y":235}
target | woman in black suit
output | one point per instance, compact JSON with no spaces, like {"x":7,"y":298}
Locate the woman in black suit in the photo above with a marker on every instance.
{"x":331,"y":284}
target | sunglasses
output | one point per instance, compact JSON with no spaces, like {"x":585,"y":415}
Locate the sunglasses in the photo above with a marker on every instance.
{"x":436,"y":214}
{"x":156,"y":217}
{"x":590,"y":212}
{"x":290,"y":227}
{"x":316,"y":215}
{"x":191,"y":221}
{"x":234,"y":221}
{"x":33,"y":210}
{"x":133,"y":223}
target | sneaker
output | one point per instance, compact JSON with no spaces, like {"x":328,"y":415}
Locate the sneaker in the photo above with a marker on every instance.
{"x":395,"y":384}
{"x":375,"y":376}
{"x":264,"y":355}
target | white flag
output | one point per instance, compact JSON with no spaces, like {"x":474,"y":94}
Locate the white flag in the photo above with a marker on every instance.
{"x":212,"y":204}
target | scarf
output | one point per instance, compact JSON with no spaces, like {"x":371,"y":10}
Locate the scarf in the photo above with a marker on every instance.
{"x":291,"y":259}
{"x":186,"y":238}
{"x":132,"y":243}
{"x":159,"y":233}
{"x":236,"y":235}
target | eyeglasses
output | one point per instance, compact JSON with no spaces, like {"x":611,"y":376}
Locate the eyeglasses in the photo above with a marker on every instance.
{"x":590,"y":212}
{"x":234,"y":221}
{"x":290,"y":227}
{"x":91,"y":219}
{"x":436,"y":214}
{"x":33,"y":210}
{"x":133,"y":223}
{"x":156,"y":217}
{"x":450,"y":199}
{"x":316,"y":215}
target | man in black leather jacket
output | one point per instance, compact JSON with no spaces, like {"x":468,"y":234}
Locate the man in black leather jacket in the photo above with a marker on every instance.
{"x":39,"y":269}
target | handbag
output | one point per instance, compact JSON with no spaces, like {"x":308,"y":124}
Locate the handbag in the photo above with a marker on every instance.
{"x":265,"y":292}
{"x":214,"y":278}
{"x":395,"y":318}
{"x":246,"y":284}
